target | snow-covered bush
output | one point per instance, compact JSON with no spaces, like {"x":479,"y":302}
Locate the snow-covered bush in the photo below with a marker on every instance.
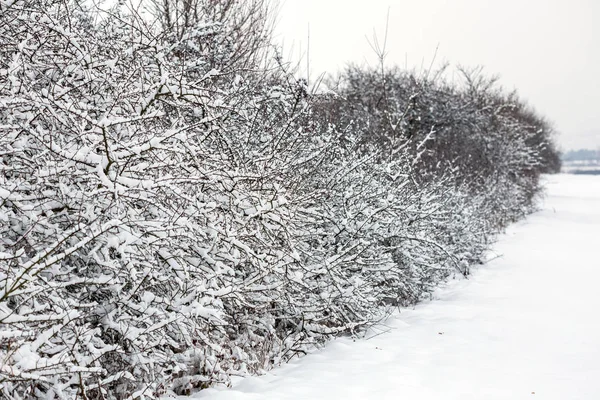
{"x":485,"y":135}
{"x":129,"y":223}
{"x":176,"y":209}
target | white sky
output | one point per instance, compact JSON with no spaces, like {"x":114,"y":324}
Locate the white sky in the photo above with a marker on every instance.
{"x":549,"y":50}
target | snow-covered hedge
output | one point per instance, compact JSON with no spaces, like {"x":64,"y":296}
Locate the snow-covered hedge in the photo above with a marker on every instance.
{"x":175,"y":211}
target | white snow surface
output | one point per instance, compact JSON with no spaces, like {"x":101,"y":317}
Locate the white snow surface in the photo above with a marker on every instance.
{"x":526,"y":325}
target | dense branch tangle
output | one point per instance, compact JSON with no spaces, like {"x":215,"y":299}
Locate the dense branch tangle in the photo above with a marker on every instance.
{"x":175,"y":208}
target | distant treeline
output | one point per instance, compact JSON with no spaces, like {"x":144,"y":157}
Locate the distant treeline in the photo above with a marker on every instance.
{"x":586,"y":172}
{"x":581,"y":155}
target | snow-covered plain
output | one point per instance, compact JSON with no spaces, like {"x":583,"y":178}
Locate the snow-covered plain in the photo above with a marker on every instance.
{"x":526,"y":325}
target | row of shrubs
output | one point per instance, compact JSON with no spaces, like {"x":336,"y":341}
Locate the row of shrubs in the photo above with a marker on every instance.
{"x":176,"y":208}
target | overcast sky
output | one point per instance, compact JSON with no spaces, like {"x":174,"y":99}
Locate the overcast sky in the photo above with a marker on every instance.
{"x":549,"y":50}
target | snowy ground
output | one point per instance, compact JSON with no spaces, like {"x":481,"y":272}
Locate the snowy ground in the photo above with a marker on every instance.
{"x":525,"y":326}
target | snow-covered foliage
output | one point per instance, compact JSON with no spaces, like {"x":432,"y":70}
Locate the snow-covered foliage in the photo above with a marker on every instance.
{"x":495,"y":145}
{"x":174,"y":211}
